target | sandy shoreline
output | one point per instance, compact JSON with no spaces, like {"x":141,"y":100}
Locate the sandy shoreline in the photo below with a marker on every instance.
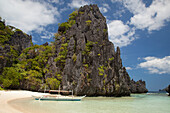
{"x":6,"y":96}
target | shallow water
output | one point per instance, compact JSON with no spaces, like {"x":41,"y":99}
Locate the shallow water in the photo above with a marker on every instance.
{"x":137,"y":103}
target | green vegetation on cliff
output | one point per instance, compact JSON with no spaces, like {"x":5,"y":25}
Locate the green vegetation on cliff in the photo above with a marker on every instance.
{"x":63,"y":27}
{"x":5,"y":33}
{"x":31,"y":68}
{"x":9,"y":52}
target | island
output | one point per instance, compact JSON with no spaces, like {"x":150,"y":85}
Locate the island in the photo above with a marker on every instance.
{"x":81,"y":59}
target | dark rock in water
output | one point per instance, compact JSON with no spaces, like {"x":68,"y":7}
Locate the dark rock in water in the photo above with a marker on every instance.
{"x":138,"y":87}
{"x":91,"y":66}
{"x":168,"y":89}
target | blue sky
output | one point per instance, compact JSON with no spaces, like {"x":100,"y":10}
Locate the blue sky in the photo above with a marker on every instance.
{"x":141,"y":28}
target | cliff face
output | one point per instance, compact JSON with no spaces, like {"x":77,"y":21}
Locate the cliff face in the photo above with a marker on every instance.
{"x":138,"y":87}
{"x":12,"y":42}
{"x":20,"y":41}
{"x":91,"y":66}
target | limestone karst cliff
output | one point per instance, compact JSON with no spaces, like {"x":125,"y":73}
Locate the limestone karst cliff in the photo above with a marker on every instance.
{"x":12,"y":42}
{"x":81,"y":59}
{"x":91,"y":65}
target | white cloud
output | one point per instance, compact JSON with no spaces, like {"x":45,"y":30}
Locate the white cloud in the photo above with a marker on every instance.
{"x":28,"y":15}
{"x":60,"y":2}
{"x":120,"y":34}
{"x":128,"y":68}
{"x":139,"y":58}
{"x":77,"y":3}
{"x":151,"y":18}
{"x":34,"y":41}
{"x":63,"y":9}
{"x":156,"y":65}
{"x":119,"y":13}
{"x":106,"y":5}
{"x":54,"y":1}
{"x":47,"y":35}
{"x":154,"y":17}
{"x":134,"y":6}
{"x":104,"y":8}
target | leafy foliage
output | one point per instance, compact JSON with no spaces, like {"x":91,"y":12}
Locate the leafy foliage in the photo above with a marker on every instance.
{"x":10,"y":53}
{"x":5,"y":33}
{"x":34,"y":79}
{"x":86,"y":65}
{"x":117,"y":86}
{"x":104,"y":30}
{"x":31,"y":67}
{"x":12,"y":76}
{"x":62,"y":54}
{"x":101,"y":70}
{"x":70,"y":22}
{"x":88,"y":22}
{"x":73,"y":15}
{"x":74,"y":57}
{"x":53,"y":83}
{"x":56,"y":36}
{"x":88,"y":48}
{"x":1,"y":88}
{"x":88,"y":78}
{"x":112,"y":58}
{"x":81,"y":12}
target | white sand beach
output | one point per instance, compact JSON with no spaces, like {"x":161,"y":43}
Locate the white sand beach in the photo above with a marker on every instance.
{"x":6,"y":96}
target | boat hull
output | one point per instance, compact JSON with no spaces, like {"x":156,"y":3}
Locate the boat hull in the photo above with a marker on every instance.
{"x":60,"y":98}
{"x":50,"y":99}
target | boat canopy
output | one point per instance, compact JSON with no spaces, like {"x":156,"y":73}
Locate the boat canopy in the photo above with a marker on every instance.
{"x":59,"y":91}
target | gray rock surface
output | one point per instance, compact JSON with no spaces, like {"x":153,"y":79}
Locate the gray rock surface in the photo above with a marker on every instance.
{"x":20,"y":41}
{"x":138,"y":87}
{"x":97,"y":70}
{"x":168,"y":89}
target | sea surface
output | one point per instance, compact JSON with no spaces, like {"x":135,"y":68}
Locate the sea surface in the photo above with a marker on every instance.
{"x":136,"y":103}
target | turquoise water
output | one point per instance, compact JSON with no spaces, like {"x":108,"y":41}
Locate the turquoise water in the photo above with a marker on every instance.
{"x":137,"y":103}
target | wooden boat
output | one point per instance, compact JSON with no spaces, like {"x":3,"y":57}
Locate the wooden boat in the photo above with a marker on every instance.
{"x":58,"y":98}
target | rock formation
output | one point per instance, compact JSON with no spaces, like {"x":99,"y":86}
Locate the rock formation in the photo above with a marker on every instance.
{"x":168,"y":89}
{"x":138,"y":87}
{"x":81,"y":59}
{"x":91,"y":66}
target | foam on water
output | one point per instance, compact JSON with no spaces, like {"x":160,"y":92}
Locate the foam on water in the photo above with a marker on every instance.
{"x":137,"y":103}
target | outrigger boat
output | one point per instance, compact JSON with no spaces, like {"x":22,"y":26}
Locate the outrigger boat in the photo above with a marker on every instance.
{"x":58,"y":97}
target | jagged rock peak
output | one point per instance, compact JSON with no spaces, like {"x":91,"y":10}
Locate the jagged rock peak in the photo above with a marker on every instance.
{"x":90,"y":64}
{"x":90,"y":22}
